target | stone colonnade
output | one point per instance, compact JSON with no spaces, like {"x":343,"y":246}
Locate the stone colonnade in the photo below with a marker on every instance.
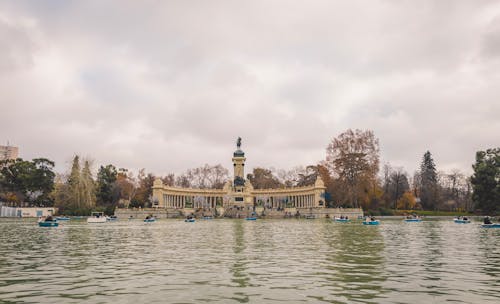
{"x":294,"y":201}
{"x":191,"y":201}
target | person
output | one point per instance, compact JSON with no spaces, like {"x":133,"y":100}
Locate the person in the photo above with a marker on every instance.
{"x":49,"y":218}
{"x":465,"y":218}
{"x":346,"y":217}
{"x":487,"y":220}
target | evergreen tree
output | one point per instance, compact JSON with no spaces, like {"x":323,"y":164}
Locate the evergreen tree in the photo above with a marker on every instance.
{"x":106,"y":192}
{"x":88,"y":186}
{"x":428,"y":183}
{"x":486,"y":181}
{"x":74,"y":184}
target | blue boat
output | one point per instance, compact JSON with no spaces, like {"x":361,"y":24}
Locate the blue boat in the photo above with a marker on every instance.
{"x":413,"y":220}
{"x":189,"y":220}
{"x":342,"y":220}
{"x":62,"y":218}
{"x":251,"y":218}
{"x":150,"y":220}
{"x":375,"y":222}
{"x":490,"y":225}
{"x":461,"y":221}
{"x":48,"y":224}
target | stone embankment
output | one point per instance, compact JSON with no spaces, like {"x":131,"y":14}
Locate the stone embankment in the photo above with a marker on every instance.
{"x":139,"y":213}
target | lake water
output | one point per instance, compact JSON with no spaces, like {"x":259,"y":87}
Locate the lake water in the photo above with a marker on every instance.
{"x":266,"y":261}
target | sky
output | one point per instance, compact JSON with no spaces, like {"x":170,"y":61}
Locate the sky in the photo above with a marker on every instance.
{"x":170,"y":85}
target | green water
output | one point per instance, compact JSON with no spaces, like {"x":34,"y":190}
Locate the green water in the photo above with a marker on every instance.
{"x":238,"y":261}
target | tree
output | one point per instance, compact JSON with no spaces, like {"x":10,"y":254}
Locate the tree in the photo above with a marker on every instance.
{"x":353,"y":158}
{"x":398,"y":185}
{"x":74,"y":184}
{"x":76,"y":195}
{"x":262,"y":178}
{"x":88,"y":186}
{"x":106,"y":191}
{"x":429,"y":192}
{"x":407,"y":201}
{"x":486,"y":181}
{"x":204,"y":177}
{"x":126,"y":185}
{"x":144,"y":189}
{"x":22,"y":180}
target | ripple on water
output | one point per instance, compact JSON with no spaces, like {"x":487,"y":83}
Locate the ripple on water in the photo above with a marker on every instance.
{"x":265,"y":261}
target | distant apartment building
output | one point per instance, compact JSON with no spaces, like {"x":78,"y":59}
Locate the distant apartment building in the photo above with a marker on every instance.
{"x":8,"y":152}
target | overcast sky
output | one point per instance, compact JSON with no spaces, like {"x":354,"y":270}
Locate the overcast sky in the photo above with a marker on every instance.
{"x":170,"y":85}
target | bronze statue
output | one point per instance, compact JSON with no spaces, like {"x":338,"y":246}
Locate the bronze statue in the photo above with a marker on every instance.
{"x":238,"y":142}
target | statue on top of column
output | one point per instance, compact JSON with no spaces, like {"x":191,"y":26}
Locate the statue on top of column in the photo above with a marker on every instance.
{"x":238,"y":142}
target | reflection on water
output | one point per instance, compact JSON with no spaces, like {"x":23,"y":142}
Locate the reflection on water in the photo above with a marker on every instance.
{"x":237,"y":261}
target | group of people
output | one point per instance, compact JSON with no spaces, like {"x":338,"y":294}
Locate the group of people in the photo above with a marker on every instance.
{"x":344,"y":217}
{"x":463,"y":218}
{"x":370,"y":218}
{"x":487,"y":220}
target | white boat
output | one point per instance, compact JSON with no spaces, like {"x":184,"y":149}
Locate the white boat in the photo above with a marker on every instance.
{"x":97,"y":217}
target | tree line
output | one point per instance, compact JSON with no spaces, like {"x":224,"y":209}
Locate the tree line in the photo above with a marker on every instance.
{"x":351,"y":173}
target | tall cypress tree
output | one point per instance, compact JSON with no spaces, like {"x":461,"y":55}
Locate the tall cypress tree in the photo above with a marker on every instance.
{"x":74,"y":183}
{"x":88,"y":186}
{"x":486,"y":181}
{"x":428,"y":182}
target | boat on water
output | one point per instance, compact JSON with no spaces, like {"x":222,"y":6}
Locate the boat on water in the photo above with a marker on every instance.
{"x":62,"y":218}
{"x":371,"y":221}
{"x":490,"y":225}
{"x":413,"y":220}
{"x":150,"y":219}
{"x":111,"y":218}
{"x":461,"y":220}
{"x":97,"y":217}
{"x":189,"y":220}
{"x":47,"y":222}
{"x":341,"y":220}
{"x":251,"y":218}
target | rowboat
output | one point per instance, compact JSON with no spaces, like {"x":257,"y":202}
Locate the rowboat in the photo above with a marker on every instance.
{"x":375,"y":222}
{"x":461,"y":221}
{"x":490,"y":225}
{"x":151,"y":219}
{"x":62,"y":218}
{"x":48,"y":224}
{"x":251,"y":218}
{"x":189,"y":220}
{"x":341,"y":220}
{"x":413,"y":220}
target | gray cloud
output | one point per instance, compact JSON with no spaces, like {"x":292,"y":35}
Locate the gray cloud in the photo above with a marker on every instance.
{"x":170,"y":85}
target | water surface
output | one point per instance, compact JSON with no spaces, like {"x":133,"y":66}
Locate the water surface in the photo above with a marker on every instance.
{"x":237,"y":261}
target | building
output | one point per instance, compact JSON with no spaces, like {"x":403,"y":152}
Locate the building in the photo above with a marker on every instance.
{"x":8,"y":152}
{"x":26,"y":211}
{"x":238,"y":198}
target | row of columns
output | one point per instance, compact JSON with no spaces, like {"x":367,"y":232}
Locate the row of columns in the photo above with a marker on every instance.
{"x":180,"y":201}
{"x":298,"y":201}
